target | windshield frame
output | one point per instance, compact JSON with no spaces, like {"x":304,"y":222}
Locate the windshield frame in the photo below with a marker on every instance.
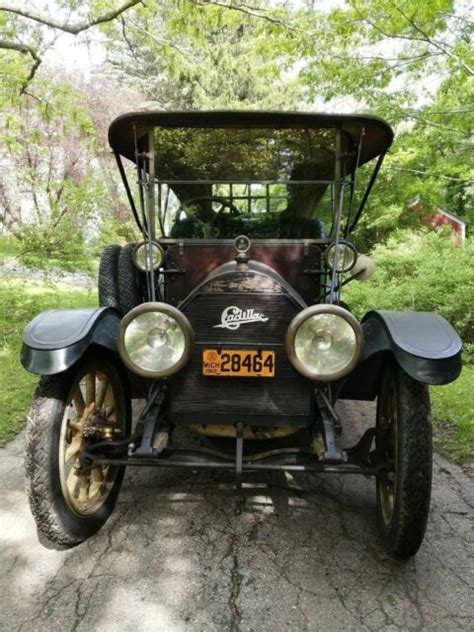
{"x":365,"y":148}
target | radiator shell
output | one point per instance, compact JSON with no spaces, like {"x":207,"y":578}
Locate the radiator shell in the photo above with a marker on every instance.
{"x":284,"y":399}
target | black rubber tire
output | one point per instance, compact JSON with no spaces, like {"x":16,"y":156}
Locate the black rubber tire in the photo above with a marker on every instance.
{"x":55,"y":520}
{"x":404,"y":531}
{"x":108,"y":277}
{"x":129,"y":292}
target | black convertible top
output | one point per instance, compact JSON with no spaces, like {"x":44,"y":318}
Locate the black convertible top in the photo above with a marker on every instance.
{"x":377,"y":133}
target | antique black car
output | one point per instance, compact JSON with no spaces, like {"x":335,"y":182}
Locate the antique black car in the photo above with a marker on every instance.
{"x":227,"y":320}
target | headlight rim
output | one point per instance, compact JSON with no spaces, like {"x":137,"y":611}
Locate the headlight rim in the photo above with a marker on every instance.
{"x":299,"y":319}
{"x":169,"y":310}
{"x":346,"y":244}
{"x":141,"y":244}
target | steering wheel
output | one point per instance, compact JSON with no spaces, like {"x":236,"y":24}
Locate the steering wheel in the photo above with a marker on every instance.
{"x":224,"y":202}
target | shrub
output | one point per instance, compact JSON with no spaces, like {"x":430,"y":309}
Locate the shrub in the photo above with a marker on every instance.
{"x":453,"y":412}
{"x":48,"y":246}
{"x":421,"y":271}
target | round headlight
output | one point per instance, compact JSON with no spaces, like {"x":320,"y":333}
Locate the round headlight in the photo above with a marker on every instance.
{"x":155,"y":340}
{"x":147,"y":256}
{"x":324,"y":342}
{"x":345,"y":258}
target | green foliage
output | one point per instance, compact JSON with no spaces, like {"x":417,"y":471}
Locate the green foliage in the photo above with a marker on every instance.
{"x":112,"y":231}
{"x":413,"y":63}
{"x":51,"y":190}
{"x":9,"y":247}
{"x":205,"y":56}
{"x":424,"y":272}
{"x":421,"y":271}
{"x":59,"y":187}
{"x":431,"y":159}
{"x":21,"y":301}
{"x":410,"y":63}
{"x":61,"y":248}
{"x":376,"y":51}
{"x":453,"y":411}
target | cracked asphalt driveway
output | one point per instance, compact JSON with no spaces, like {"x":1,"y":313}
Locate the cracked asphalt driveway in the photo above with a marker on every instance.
{"x":303,"y":555}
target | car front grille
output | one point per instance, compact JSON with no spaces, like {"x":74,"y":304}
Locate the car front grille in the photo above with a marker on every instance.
{"x":285,"y":398}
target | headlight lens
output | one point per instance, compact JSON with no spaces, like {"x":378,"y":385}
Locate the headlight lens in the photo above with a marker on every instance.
{"x":345,"y":258}
{"x":155,"y":340}
{"x":145,"y":259}
{"x":324,"y":342}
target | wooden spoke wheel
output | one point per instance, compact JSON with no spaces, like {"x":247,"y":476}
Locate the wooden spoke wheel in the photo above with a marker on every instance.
{"x":71,"y":411}
{"x":403,"y":443}
{"x":92,"y":401}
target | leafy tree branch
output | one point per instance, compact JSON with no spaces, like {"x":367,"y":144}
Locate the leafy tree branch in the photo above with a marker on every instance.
{"x":73,"y":28}
{"x":416,"y":34}
{"x":67,"y":27}
{"x":443,"y":47}
{"x":247,"y":10}
{"x":24,"y":49}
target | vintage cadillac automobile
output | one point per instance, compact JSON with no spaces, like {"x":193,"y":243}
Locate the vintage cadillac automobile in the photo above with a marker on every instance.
{"x":227,"y":319}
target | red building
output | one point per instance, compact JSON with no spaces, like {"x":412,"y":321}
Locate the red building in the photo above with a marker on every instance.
{"x":442,"y":217}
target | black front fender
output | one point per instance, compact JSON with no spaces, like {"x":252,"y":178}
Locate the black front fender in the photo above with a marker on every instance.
{"x":57,"y":339}
{"x":424,"y":344}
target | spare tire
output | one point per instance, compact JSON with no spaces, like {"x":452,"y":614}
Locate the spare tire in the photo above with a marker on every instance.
{"x":129,"y":292}
{"x":108,"y":277}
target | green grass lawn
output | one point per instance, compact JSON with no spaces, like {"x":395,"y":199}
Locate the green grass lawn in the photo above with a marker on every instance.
{"x":20,"y":301}
{"x":453,"y":412}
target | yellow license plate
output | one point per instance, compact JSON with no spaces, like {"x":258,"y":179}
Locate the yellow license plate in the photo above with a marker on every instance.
{"x":238,"y":363}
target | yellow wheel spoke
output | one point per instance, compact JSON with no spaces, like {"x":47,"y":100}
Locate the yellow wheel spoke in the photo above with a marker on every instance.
{"x":83,"y":489}
{"x":87,"y":411}
{"x":73,"y":448}
{"x":95,"y":488}
{"x":97,"y":475}
{"x":72,"y":482}
{"x":76,"y":426}
{"x":103,"y":387}
{"x":110,"y":413}
{"x":79,"y":401}
{"x":90,"y":388}
{"x":71,"y":479}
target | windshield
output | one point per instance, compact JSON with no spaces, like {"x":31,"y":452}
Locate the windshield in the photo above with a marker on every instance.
{"x":259,"y":181}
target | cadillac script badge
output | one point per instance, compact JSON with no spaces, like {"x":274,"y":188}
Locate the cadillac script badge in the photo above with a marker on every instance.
{"x":232,"y":317}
